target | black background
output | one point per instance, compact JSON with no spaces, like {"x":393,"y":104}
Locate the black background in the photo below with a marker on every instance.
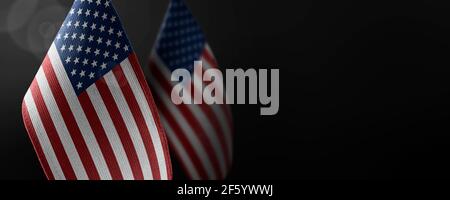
{"x":364,"y":84}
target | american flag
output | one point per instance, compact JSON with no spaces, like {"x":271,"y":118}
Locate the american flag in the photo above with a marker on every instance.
{"x":199,"y":135}
{"x":89,"y":111}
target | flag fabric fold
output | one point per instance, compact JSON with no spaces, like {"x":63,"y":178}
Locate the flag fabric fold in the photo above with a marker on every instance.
{"x":200,"y":135}
{"x":89,"y":111}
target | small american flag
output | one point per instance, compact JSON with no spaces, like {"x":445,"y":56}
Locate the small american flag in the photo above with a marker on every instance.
{"x":200,"y":135}
{"x":89,"y":111}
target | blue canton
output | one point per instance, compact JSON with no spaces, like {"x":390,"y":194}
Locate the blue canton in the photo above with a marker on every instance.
{"x":91,"y":42}
{"x":181,"y":41}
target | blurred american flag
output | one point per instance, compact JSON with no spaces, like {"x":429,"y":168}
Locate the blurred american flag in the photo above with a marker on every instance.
{"x":200,"y":135}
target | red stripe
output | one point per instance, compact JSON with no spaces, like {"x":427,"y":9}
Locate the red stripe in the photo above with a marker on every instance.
{"x":52,"y":133}
{"x":36,"y":144}
{"x":101,"y":137}
{"x":183,"y":165}
{"x":184,"y":141}
{"x":215,"y":122}
{"x":140,"y":121}
{"x":195,"y":124}
{"x":70,"y":121}
{"x":207,"y":110}
{"x":210,"y":58}
{"x":121,"y":128}
{"x":148,"y":94}
{"x":226,"y":108}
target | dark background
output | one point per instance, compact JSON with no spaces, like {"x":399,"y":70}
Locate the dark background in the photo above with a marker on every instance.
{"x":364,"y":84}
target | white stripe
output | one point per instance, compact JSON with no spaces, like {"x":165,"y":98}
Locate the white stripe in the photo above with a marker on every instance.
{"x":208,"y":65}
{"x":60,"y":125}
{"x":187,"y":129}
{"x":148,"y":116}
{"x":218,"y":110}
{"x":42,"y":136}
{"x":209,"y":50}
{"x":210,"y":131}
{"x":206,"y":125}
{"x":111,"y":132}
{"x":178,"y":147}
{"x":79,"y":114}
{"x":220,"y":114}
{"x":130,"y":123}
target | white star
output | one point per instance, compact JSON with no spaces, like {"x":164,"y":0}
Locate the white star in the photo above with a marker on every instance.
{"x":66,"y":36}
{"x":58,"y":37}
{"x":103,"y":66}
{"x":85,"y":61}
{"x":105,"y":16}
{"x":63,"y":48}
{"x":96,"y":14}
{"x":74,"y":72}
{"x":100,"y":40}
{"x":102,"y":28}
{"x":88,"y":50}
{"x":88,"y":12}
{"x":91,"y":38}
{"x":69,"y":24}
{"x":97,"y":52}
{"x":119,"y":34}
{"x":108,"y":43}
{"x":91,"y":75}
{"x":82,"y":74}
{"x":76,"y":61}
{"x":98,"y":2}
{"x":107,"y":3}
{"x":94,"y":64}
{"x":115,"y":57}
{"x":106,"y":54}
{"x":79,"y":85}
{"x":113,"y":19}
{"x":74,"y":36}
{"x":94,"y":26}
{"x":80,"y":11}
{"x":77,"y":24}
{"x":117,"y":45}
{"x":111,"y":31}
{"x":71,"y":48}
{"x":85,"y":25}
{"x":72,"y":11}
{"x":90,"y":1}
{"x":82,"y":37}
{"x":126,"y":48}
{"x":80,"y":48}
{"x":68,"y":60}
